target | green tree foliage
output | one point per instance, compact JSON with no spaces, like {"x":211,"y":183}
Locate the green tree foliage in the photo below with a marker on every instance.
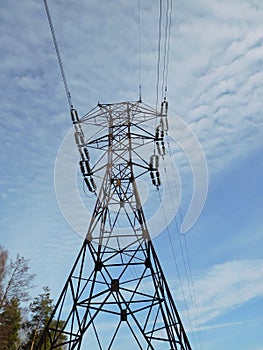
{"x":41,"y":309}
{"x":10,"y":312}
{"x":15,"y":284}
{"x":3,"y":263}
{"x":10,"y":323}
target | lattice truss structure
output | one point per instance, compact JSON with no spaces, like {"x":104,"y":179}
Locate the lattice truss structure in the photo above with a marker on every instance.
{"x":116,"y":294}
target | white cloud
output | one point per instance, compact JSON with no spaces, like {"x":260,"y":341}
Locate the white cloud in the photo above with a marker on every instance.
{"x":215,"y":84}
{"x":226,"y":286}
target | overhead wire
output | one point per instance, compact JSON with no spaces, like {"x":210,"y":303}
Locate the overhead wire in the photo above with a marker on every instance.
{"x":168,"y":42}
{"x":61,"y":68}
{"x":163,"y":94}
{"x":176,"y":263}
{"x":193,"y":296}
{"x":163,"y":45}
{"x":59,"y":58}
{"x":184,"y":252}
{"x":140,"y":51}
{"x":164,"y":86}
{"x":159,"y":52}
{"x":185,"y":262}
{"x":188,"y":273}
{"x":168,"y":19}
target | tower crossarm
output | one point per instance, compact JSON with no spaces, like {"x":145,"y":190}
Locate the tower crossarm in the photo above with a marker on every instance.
{"x":127,"y":131}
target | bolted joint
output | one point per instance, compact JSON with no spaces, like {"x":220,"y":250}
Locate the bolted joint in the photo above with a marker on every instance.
{"x":124,"y":315}
{"x":147,"y":262}
{"x":98,"y":265}
{"x":115,"y":285}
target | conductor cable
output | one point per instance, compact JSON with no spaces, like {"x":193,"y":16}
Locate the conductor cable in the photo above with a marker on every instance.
{"x":59,"y":58}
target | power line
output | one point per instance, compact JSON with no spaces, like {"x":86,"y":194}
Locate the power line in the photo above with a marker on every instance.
{"x":184,"y":252}
{"x":176,"y":264}
{"x":159,"y":52}
{"x":139,"y":49}
{"x":168,"y":19}
{"x":59,"y":58}
{"x":168,"y":42}
{"x":187,"y":271}
{"x":163,"y":48}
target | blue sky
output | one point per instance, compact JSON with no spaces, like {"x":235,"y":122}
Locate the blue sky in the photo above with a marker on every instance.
{"x":215,"y":86}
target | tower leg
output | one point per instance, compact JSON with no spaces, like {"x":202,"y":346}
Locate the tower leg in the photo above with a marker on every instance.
{"x":114,"y":298}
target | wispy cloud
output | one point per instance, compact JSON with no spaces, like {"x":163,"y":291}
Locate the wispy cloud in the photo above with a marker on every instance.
{"x":214,"y":84}
{"x":224,"y":287}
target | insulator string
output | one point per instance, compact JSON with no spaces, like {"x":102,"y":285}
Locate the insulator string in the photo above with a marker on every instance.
{"x":59,"y":58}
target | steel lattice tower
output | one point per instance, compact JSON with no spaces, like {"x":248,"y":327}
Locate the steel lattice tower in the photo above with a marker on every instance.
{"x":116,"y":294}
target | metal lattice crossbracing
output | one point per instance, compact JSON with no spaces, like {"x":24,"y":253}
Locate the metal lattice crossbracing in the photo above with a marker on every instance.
{"x":116,"y":295}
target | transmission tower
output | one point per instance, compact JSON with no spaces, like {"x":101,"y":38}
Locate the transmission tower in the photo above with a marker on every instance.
{"x":116,"y":295}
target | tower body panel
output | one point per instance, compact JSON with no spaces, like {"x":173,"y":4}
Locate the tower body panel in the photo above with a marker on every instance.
{"x":116,"y":294}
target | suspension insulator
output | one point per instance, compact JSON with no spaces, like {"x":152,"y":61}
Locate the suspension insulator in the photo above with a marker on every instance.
{"x":151,"y":162}
{"x":81,"y":137}
{"x":162,"y":104}
{"x":166,"y":107}
{"x":161,"y":125}
{"x":157,"y":133}
{"x":157,"y":161}
{"x":162,"y":134}
{"x":165,"y":115}
{"x":77,"y":138}
{"x":166,"y":125}
{"x":81,"y":154}
{"x":93,"y":184}
{"x":158,"y":148}
{"x":74,"y":116}
{"x":163,"y":149}
{"x":82,"y":168}
{"x":154,"y":161}
{"x":87,"y":167}
{"x":155,"y":177}
{"x":86,"y":153}
{"x":88,"y":184}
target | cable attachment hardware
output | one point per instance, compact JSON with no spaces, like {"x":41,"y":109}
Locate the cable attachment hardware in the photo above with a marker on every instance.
{"x":154,"y":172}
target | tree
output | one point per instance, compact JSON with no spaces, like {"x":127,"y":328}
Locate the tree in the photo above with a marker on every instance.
{"x":3,"y":262}
{"x":15,"y":284}
{"x":41,"y":309}
{"x":16,"y":281}
{"x":10,"y":323}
